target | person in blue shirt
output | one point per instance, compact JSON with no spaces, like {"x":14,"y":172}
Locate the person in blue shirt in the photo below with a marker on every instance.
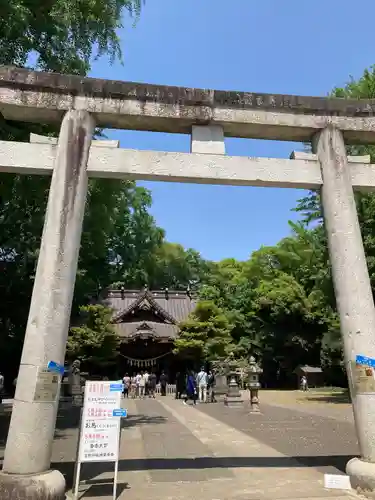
{"x":191,"y":389}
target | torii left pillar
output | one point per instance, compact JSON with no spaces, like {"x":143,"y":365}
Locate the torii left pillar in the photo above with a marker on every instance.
{"x":26,"y":472}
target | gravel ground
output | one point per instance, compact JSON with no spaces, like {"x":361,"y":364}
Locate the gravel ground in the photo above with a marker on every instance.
{"x":319,"y":440}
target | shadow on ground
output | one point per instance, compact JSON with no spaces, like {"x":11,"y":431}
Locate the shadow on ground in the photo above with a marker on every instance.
{"x":338,"y":397}
{"x":133,"y":420}
{"x":101,"y":488}
{"x":90,"y":471}
{"x":69,"y":419}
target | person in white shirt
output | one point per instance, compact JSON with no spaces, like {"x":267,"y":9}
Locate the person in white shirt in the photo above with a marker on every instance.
{"x":133,"y":387}
{"x":202,"y":379}
{"x":146,"y":375}
{"x":142,"y":385}
{"x":137,"y":384}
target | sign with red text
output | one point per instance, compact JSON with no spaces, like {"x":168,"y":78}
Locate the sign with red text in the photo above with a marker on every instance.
{"x":100,"y":429}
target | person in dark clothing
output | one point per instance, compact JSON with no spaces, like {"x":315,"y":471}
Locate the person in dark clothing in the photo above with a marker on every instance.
{"x":211,"y":382}
{"x":191,"y":389}
{"x":1,"y":387}
{"x":151,"y":385}
{"x":180,"y":384}
{"x":163,"y":384}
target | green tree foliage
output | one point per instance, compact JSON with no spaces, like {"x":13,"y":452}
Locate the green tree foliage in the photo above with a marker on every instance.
{"x":205,"y":335}
{"x":276,"y":303}
{"x":119,"y":237}
{"x":95,"y":341}
{"x":118,"y":233}
{"x":174,"y":267}
{"x":62,"y":35}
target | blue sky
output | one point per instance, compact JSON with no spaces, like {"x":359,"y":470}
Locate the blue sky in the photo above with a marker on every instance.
{"x":275,"y":46}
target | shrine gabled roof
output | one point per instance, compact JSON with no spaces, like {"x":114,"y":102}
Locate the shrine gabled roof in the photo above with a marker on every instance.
{"x":146,"y":329}
{"x":175,"y":308}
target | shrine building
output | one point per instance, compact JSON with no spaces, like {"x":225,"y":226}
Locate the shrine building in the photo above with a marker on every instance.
{"x":147,"y":324}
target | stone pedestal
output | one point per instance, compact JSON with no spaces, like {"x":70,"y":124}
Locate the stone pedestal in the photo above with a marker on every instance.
{"x":46,"y":486}
{"x":221,"y":387}
{"x":254,"y":401}
{"x":362,"y":476}
{"x":233,"y":398}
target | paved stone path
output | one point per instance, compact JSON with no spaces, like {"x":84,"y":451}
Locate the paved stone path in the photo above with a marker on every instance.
{"x":171,"y":451}
{"x":174,"y":452}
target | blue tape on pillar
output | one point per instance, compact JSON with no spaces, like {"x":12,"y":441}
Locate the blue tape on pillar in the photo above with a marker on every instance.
{"x":55,"y":368}
{"x":365,"y":361}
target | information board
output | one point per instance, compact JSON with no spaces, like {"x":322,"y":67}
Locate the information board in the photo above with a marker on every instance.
{"x":100,"y":429}
{"x":47,"y":386}
{"x":363,"y":375}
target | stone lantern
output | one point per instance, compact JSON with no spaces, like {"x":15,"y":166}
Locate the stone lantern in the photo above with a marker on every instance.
{"x":233,"y":397}
{"x":254,"y":385}
{"x":226,"y":381}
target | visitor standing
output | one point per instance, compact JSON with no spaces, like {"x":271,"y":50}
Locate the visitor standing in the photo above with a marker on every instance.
{"x":304,"y":386}
{"x":133,"y":387}
{"x":180,"y":384}
{"x":1,"y":387}
{"x":191,"y":389}
{"x":146,"y":375}
{"x":202,"y":385}
{"x":151,"y":385}
{"x":126,"y":382}
{"x":163,"y":383}
{"x":142,"y":385}
{"x":137,"y":382}
{"x":211,"y":382}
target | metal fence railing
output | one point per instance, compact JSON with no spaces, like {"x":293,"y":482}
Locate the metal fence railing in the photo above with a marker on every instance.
{"x":171,"y":389}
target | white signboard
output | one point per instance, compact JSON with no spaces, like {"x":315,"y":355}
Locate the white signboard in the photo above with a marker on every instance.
{"x":100,"y":429}
{"x":337,"y":482}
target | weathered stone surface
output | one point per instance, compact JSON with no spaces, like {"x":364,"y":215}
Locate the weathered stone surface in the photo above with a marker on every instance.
{"x":47,"y":486}
{"x":207,"y":140}
{"x":44,"y":97}
{"x":29,"y":445}
{"x":350,"y":275}
{"x":362,"y":476}
{"x":106,"y":162}
{"x":95,"y":87}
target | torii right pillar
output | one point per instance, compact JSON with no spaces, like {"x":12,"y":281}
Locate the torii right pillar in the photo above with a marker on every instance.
{"x":354,"y":297}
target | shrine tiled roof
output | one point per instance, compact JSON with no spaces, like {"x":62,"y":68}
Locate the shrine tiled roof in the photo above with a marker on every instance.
{"x":170,"y":309}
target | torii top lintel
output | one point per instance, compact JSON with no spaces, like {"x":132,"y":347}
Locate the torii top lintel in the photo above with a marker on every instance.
{"x":44,"y":97}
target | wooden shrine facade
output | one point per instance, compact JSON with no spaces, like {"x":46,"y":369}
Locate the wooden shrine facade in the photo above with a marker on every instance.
{"x":147,"y":324}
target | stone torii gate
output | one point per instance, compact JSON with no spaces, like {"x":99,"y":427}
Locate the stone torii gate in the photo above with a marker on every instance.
{"x":208,"y":115}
